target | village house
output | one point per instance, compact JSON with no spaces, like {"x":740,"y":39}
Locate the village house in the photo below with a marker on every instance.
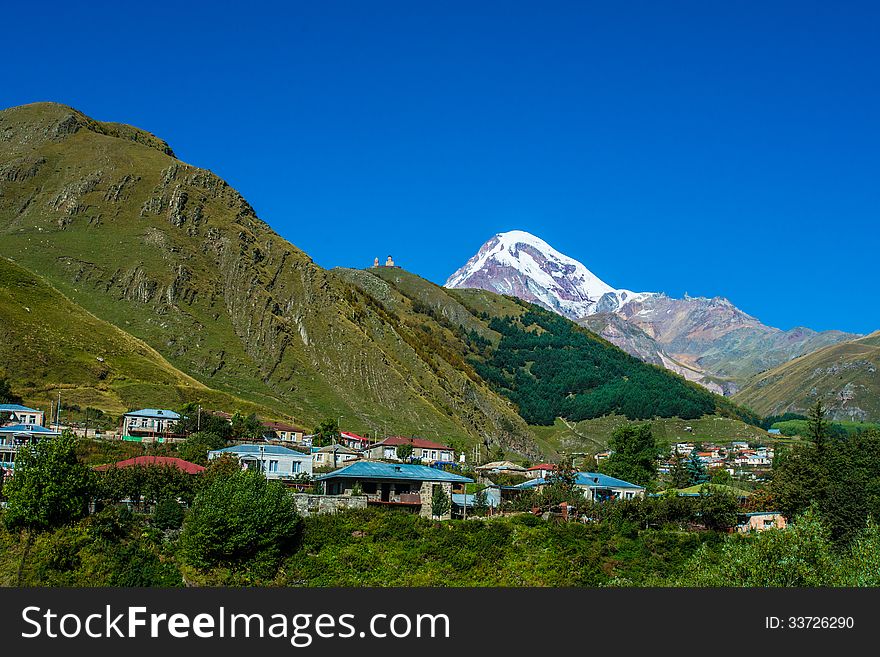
{"x":150,"y":423}
{"x":424,"y":450}
{"x":333,"y":456}
{"x":14,"y":436}
{"x":497,"y":467}
{"x":540,"y":471}
{"x":284,"y":432}
{"x":759,"y":521}
{"x":465,"y":503}
{"x":399,"y":485}
{"x":595,"y":486}
{"x":353,"y":441}
{"x":273,"y":461}
{"x":18,"y":414}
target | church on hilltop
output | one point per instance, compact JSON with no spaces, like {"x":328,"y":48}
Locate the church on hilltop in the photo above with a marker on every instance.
{"x":388,"y":263}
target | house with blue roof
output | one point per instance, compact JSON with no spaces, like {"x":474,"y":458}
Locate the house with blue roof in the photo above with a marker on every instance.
{"x":596,"y":486}
{"x":156,"y":424}
{"x":15,"y":435}
{"x":400,"y":485}
{"x":18,"y":414}
{"x":274,"y":461}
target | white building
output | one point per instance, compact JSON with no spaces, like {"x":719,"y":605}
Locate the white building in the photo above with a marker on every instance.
{"x":273,"y":461}
{"x":19,"y":414}
{"x":149,"y":423}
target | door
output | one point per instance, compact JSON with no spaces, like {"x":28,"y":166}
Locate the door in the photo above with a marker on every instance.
{"x":386,"y":492}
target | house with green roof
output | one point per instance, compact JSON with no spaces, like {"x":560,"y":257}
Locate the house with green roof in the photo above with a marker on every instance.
{"x":397,"y":485}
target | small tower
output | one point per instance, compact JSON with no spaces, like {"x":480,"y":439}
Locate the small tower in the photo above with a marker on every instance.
{"x":376,"y":262}
{"x":389,"y":262}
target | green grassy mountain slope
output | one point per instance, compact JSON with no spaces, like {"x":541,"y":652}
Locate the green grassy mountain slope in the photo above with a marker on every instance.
{"x":845,"y":376}
{"x":178,"y":261}
{"x":50,"y":345}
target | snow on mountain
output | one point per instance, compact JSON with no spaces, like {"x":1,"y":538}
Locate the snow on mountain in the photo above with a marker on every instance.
{"x":525,"y":266}
{"x":707,"y":340}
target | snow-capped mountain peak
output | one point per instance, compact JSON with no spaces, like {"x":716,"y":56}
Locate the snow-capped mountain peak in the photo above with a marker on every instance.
{"x":523,"y":265}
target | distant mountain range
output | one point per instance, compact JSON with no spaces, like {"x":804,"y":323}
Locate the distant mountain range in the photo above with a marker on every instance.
{"x":844,"y":375}
{"x":709,"y":341}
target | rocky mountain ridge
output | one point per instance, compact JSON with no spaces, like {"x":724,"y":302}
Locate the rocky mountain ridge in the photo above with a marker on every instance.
{"x":706,"y":340}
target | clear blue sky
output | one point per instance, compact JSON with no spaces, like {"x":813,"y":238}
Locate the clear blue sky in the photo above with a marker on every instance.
{"x":714,"y":148}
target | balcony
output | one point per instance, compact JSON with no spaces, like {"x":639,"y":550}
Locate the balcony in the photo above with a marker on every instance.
{"x":400,"y":499}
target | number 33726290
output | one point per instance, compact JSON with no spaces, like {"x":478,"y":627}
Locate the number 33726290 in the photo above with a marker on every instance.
{"x":809,"y":623}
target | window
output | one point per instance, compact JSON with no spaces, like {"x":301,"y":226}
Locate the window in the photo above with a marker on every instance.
{"x":273,"y":466}
{"x":294,"y":467}
{"x":144,"y":422}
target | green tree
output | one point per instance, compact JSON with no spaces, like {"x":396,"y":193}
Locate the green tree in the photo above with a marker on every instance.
{"x":196,"y":447}
{"x":246,"y":427}
{"x":50,"y":487}
{"x":718,"y":508}
{"x":222,"y":467}
{"x":633,"y":456}
{"x":564,"y":474}
{"x":326,"y":433}
{"x":817,"y":425}
{"x":168,"y":514}
{"x":679,"y":475}
{"x":193,"y":420}
{"x":721,"y":477}
{"x":404,"y":452}
{"x":242,"y":521}
{"x":801,"y":556}
{"x":696,"y":470}
{"x":440,"y":502}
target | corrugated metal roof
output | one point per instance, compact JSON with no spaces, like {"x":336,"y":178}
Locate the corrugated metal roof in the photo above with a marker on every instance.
{"x":28,"y":428}
{"x":16,"y":407}
{"x":588,"y":479}
{"x":155,"y":412}
{"x":256,"y":449}
{"x":373,"y":470}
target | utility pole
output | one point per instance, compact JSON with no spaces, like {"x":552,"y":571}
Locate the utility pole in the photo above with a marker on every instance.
{"x":199,"y":419}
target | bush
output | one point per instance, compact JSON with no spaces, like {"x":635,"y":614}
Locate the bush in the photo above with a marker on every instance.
{"x":241,"y":521}
{"x":168,"y":515}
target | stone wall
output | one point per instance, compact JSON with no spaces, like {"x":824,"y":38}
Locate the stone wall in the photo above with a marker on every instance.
{"x":427,"y":491}
{"x":309,"y":505}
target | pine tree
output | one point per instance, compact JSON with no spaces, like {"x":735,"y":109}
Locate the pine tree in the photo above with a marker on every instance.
{"x":696,"y":470}
{"x":817,"y":425}
{"x":679,"y":474}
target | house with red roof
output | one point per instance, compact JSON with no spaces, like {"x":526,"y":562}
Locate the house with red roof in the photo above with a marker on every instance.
{"x":425,"y":450}
{"x":161,"y":461}
{"x":540,"y":471}
{"x":353,"y":441}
